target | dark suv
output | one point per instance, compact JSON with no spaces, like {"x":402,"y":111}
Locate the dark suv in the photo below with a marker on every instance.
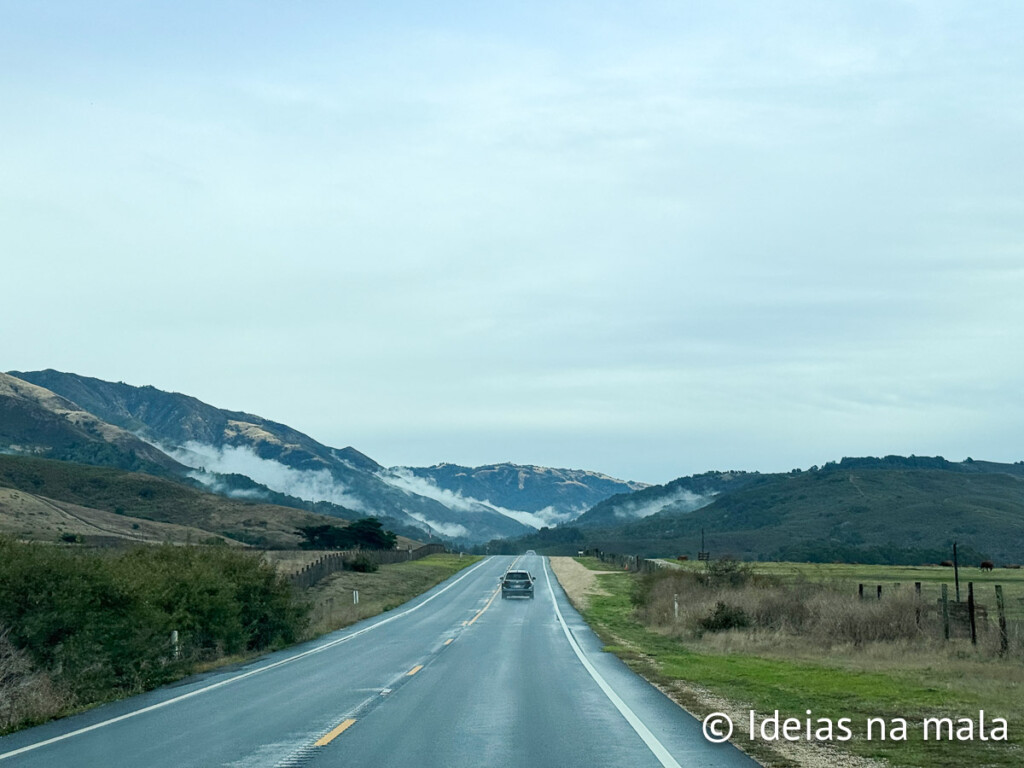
{"x":516,"y":584}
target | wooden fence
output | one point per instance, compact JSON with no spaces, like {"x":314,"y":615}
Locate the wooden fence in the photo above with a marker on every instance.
{"x":342,"y":560}
{"x":635,"y":563}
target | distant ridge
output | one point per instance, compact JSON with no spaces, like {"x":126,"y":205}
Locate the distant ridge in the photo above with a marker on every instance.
{"x":244,"y":455}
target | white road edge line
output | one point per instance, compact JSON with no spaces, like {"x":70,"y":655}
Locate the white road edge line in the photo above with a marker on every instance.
{"x":236,"y":678}
{"x":656,"y":747}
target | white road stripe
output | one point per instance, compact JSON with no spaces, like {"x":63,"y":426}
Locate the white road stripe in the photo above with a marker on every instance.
{"x":656,"y":747}
{"x":236,"y":678}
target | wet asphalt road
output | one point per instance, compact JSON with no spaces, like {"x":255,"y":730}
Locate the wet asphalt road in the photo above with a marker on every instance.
{"x":456,"y":677}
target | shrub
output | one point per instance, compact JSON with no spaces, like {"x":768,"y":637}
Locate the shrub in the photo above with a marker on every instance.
{"x":362,"y":564}
{"x":725,"y":617}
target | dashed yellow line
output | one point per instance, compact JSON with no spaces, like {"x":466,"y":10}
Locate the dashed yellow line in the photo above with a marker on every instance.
{"x":449,"y":641}
{"x":327,"y":738}
{"x":481,"y":611}
{"x":415,"y":669}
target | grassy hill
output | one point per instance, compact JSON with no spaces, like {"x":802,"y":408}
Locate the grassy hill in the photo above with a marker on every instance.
{"x":35,"y":421}
{"x":870,"y":515}
{"x":139,"y":495}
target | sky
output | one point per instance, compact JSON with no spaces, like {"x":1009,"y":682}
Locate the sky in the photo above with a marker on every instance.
{"x":648,"y":239}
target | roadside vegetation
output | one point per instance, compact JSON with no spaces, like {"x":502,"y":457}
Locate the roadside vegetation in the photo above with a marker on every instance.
{"x":78,"y":628}
{"x":746,"y":639}
{"x":379,"y":591}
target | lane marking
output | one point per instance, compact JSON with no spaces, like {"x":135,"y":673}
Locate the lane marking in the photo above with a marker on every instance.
{"x":414,"y":670}
{"x":481,"y":611}
{"x":236,"y":678}
{"x":449,"y":641}
{"x":327,"y":738}
{"x":657,"y":748}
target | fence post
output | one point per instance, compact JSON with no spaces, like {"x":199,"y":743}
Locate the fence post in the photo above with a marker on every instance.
{"x":970,"y":610}
{"x":675,"y":605}
{"x":860,"y":591}
{"x":879,"y":591}
{"x":956,"y":572}
{"x":1004,"y":640}
{"x":917,"y":604}
{"x":945,"y":610}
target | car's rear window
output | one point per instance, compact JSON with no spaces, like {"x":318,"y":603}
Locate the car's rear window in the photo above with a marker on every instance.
{"x":517,"y":577}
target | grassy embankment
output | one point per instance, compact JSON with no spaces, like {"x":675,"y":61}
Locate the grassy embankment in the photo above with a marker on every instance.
{"x":387,"y":588}
{"x":814,"y":645}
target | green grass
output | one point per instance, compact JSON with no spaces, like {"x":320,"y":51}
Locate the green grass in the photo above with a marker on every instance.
{"x":886,"y":683}
{"x":594,"y":564}
{"x":387,"y":588}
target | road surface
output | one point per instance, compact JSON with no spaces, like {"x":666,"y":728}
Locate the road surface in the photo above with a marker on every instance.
{"x":456,"y":677}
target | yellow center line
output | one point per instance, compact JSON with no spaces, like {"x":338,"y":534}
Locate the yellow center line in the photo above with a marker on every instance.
{"x":329,"y":737}
{"x":448,"y":641}
{"x":415,"y":669}
{"x":481,"y":611}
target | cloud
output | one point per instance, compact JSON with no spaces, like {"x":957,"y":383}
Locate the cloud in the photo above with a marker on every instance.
{"x":307,"y":484}
{"x":681,"y":499}
{"x":405,"y":480}
{"x":454,"y":530}
{"x":216,"y":485}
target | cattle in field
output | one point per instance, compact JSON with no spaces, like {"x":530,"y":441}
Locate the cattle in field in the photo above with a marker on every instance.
{"x":946,"y":563}
{"x":987,"y":565}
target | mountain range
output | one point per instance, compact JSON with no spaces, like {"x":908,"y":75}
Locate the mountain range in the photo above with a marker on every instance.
{"x":71,"y":417}
{"x":889,"y":509}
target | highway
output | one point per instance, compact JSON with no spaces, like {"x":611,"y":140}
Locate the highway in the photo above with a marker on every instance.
{"x":456,"y":677}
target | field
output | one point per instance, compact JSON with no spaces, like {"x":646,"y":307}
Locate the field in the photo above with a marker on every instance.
{"x":795,"y":637}
{"x":889,"y":576}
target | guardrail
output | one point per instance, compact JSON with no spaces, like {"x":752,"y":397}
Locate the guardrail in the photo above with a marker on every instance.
{"x":342,"y":560}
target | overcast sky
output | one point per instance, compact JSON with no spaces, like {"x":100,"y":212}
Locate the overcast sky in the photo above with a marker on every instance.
{"x":647,"y":238}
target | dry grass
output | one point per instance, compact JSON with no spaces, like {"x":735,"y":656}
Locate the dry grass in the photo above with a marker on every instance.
{"x":579,"y":582}
{"x":819,"y":615}
{"x":29,"y":517}
{"x":27,"y":696}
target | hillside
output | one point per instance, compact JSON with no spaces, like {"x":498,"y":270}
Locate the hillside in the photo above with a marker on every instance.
{"x":28,"y":517}
{"x":684,"y":494}
{"x":863,"y":514}
{"x":35,"y":421}
{"x":143,"y":496}
{"x":224,"y":449}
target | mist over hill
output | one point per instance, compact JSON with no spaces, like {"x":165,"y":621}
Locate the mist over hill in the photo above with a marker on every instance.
{"x":247,"y":456}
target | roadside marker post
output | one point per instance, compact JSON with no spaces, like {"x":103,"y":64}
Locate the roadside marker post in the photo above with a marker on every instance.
{"x":355,"y":597}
